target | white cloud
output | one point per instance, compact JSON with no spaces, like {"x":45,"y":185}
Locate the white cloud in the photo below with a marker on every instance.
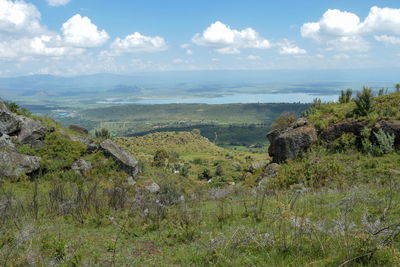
{"x":79,"y":31}
{"x":184,"y":46}
{"x":341,"y":30}
{"x":58,"y":2}
{"x":388,"y":39}
{"x":19,"y":17}
{"x":189,"y":52}
{"x":253,"y":57}
{"x":382,"y":21}
{"x":137,"y":43}
{"x":225,"y":40}
{"x":289,"y":48}
{"x":341,"y":56}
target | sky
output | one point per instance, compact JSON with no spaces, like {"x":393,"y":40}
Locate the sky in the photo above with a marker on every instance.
{"x":75,"y":37}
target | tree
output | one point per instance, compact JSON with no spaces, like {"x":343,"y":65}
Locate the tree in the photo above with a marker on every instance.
{"x":364,"y":102}
{"x":345,"y":96}
{"x":397,"y":87}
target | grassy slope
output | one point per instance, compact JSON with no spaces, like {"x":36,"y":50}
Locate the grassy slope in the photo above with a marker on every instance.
{"x":326,"y":209}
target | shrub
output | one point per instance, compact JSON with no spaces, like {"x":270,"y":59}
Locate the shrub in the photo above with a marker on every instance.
{"x":397,"y":86}
{"x":219,"y":171}
{"x":364,"y":102}
{"x":345,"y":96}
{"x":345,"y":142}
{"x":102,"y":133}
{"x":385,"y":142}
{"x":160,"y":158}
{"x":205,"y":175}
{"x":284,"y":121}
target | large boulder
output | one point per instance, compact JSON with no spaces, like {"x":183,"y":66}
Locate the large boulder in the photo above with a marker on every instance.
{"x":391,"y":127}
{"x":13,"y":164}
{"x":331,"y":133}
{"x":27,"y":130}
{"x":127,"y":162}
{"x":6,"y":143}
{"x":90,"y":144}
{"x":292,"y":142}
{"x":10,"y":123}
{"x":31,"y":132}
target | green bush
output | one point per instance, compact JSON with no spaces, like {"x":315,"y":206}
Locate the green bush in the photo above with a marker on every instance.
{"x":385,"y":142}
{"x":345,"y":142}
{"x":284,"y":121}
{"x":364,"y":102}
{"x":102,"y":133}
{"x":345,"y":96}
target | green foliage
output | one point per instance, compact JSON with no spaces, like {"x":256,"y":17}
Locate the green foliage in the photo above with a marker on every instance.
{"x":385,"y":142}
{"x":102,"y":133}
{"x":364,"y":102}
{"x":205,"y":174}
{"x":160,"y":158}
{"x":397,"y":86}
{"x":345,"y":96}
{"x":284,"y":121}
{"x":345,"y":142}
{"x":219,"y":171}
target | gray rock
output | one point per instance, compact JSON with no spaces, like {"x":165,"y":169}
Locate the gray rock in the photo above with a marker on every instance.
{"x":10,"y":123}
{"x":13,"y":164}
{"x":153,"y":188}
{"x":291,"y":143}
{"x":81,"y":166}
{"x":130,"y":181}
{"x":127,"y":162}
{"x":32,"y":132}
{"x":6,"y":143}
{"x":335,"y":131}
{"x":270,"y":172}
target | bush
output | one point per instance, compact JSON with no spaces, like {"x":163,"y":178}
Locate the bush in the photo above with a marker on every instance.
{"x":102,"y":133}
{"x":205,"y":175}
{"x":160,"y":158}
{"x":385,"y":142}
{"x":364,"y":102}
{"x":345,"y":96}
{"x":284,"y":121}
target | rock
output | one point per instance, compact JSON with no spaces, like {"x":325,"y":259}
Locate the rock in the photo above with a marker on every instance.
{"x":81,"y":166}
{"x":130,"y":181}
{"x":13,"y":164}
{"x":31,"y":132}
{"x":270,"y":171}
{"x":153,"y":188}
{"x":291,"y":143}
{"x":10,"y":123}
{"x":127,"y":162}
{"x":391,"y":127}
{"x":6,"y":143}
{"x":331,"y":133}
{"x":78,"y":129}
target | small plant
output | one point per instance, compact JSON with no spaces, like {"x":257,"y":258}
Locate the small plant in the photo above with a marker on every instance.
{"x":385,"y":142}
{"x":102,"y":133}
{"x":284,"y":121}
{"x":345,"y":96}
{"x":382,"y":91}
{"x":219,"y":171}
{"x":364,"y":102}
{"x":205,"y":175}
{"x":160,"y":158}
{"x":397,"y":86}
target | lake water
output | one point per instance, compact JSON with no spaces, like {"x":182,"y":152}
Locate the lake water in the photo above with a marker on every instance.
{"x":234,"y":98}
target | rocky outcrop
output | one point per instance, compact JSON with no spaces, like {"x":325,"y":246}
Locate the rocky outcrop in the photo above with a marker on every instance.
{"x":6,"y":143}
{"x":127,"y":162}
{"x":292,"y":142}
{"x":331,"y":133}
{"x":152,"y":188}
{"x":10,"y":123}
{"x":31,"y":132}
{"x":27,"y":130}
{"x":391,"y":127}
{"x":81,"y":166}
{"x":13,"y":164}
{"x":270,"y":172}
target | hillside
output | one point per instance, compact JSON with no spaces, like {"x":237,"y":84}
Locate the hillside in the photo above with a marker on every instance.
{"x":331,"y":201}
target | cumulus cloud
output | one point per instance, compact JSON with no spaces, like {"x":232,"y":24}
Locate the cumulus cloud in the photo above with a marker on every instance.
{"x":225,"y":40}
{"x":23,"y":36}
{"x":189,"y":52}
{"x":289,"y":48}
{"x":341,"y":30}
{"x":79,"y":31}
{"x":58,"y":2}
{"x":19,"y":17}
{"x":137,"y":43}
{"x":388,"y":39}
